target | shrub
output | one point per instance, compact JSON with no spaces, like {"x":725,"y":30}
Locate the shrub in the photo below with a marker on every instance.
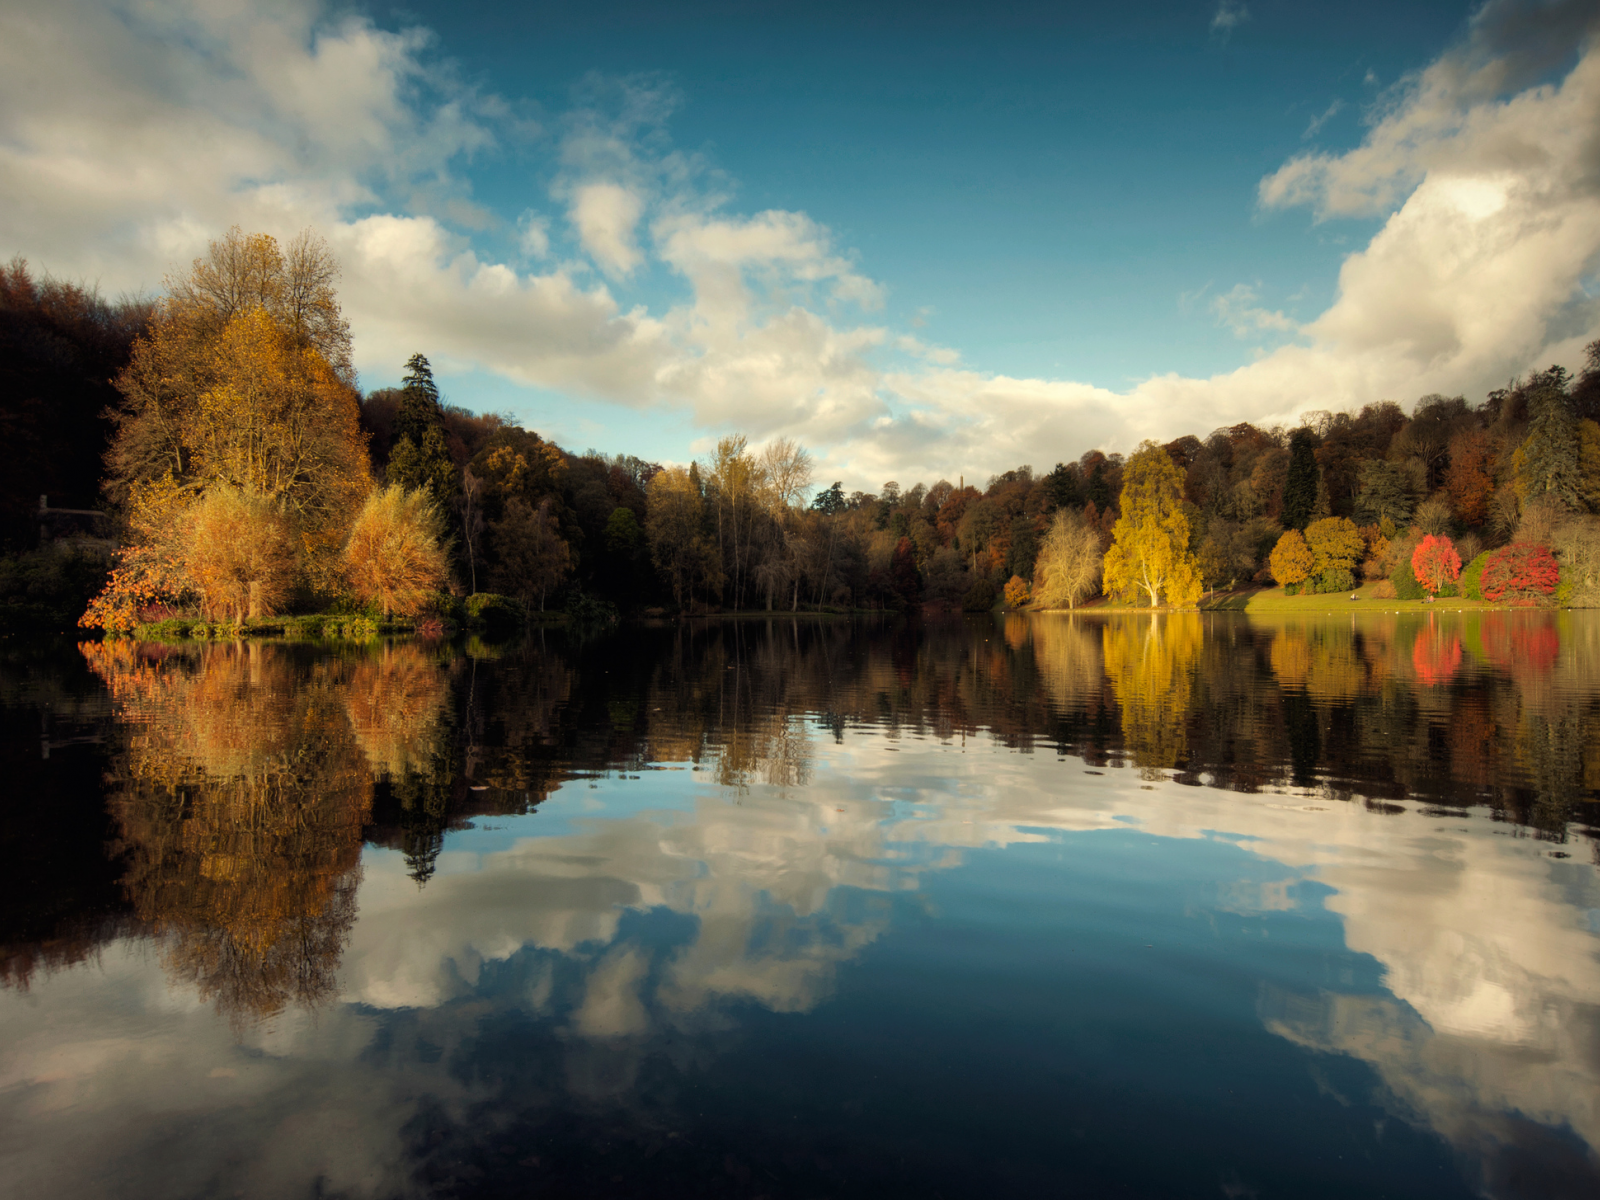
{"x":1405,"y":583}
{"x":583,"y":609}
{"x":1336,"y":579}
{"x":1384,"y":590}
{"x":495,"y":613}
{"x":1471,"y":581}
{"x":979,"y":597}
{"x":1016,"y":592}
{"x":394,"y":556}
{"x":1521,"y":573}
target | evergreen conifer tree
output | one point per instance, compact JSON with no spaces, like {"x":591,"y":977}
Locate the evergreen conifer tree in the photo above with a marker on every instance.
{"x":1547,"y":462}
{"x":1301,"y":486}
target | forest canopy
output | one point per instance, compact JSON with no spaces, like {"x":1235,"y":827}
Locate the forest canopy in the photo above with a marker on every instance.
{"x":234,"y":406}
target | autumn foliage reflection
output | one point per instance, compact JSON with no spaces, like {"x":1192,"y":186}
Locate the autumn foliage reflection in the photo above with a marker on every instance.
{"x":241,"y":788}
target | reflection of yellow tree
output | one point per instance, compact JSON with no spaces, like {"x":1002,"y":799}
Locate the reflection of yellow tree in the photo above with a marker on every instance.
{"x":1150,"y":663}
{"x":1323,"y":660}
{"x":240,"y":792}
{"x":395,"y":698}
{"x":1068,"y":652}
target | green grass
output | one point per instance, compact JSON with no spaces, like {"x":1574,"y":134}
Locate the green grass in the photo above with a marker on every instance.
{"x":1274,"y":600}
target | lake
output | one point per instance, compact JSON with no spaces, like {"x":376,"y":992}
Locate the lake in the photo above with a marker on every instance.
{"x":1185,"y":905}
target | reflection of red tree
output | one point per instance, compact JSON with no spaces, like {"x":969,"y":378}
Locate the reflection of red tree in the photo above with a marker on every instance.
{"x":1436,"y":657}
{"x":1518,"y":645}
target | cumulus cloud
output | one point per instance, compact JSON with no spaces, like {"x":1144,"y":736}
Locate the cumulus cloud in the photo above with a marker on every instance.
{"x":132,"y":133}
{"x":605,"y":215}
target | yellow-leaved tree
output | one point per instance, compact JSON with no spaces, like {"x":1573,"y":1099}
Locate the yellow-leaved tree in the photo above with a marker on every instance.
{"x":1291,"y":561}
{"x":1149,"y":556}
{"x":241,"y":555}
{"x":395,"y":557}
{"x":242,"y":381}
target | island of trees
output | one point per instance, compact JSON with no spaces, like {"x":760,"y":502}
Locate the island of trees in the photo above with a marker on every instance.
{"x":209,"y":456}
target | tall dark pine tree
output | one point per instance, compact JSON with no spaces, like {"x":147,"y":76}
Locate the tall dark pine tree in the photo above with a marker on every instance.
{"x":421,"y":456}
{"x":1098,"y":492}
{"x":419,"y":401}
{"x":1300,"y":487}
{"x":1065,"y":491}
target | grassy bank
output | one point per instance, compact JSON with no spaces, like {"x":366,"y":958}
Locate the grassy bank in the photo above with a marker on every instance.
{"x":1276,"y":600}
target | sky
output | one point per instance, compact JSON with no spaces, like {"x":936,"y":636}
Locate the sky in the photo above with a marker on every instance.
{"x":927,"y":241}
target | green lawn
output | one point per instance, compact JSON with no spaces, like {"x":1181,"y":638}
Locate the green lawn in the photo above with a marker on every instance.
{"x":1274,"y":600}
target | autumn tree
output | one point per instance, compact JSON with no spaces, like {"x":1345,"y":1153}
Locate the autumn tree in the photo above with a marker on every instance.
{"x":534,"y":557}
{"x":1068,"y":567}
{"x":1522,"y":572}
{"x":1469,"y":479}
{"x":242,"y":381}
{"x":295,"y":287}
{"x":241,"y":554}
{"x":1336,"y":547}
{"x":395,"y":556}
{"x":1435,"y":563}
{"x":675,"y":525}
{"x":1291,"y":562}
{"x":1150,"y":554}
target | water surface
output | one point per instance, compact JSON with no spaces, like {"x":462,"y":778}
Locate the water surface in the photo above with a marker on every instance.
{"x":1191,"y":905}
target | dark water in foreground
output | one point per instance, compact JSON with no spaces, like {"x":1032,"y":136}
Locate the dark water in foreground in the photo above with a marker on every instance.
{"x":1181,"y":906}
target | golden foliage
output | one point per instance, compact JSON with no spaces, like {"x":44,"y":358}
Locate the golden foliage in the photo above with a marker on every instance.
{"x":242,"y":380}
{"x":395,"y":556}
{"x":396,"y":701}
{"x":240,"y":796}
{"x":1068,"y":566}
{"x":1149,"y":556}
{"x":240,"y":557}
{"x":675,"y":525}
{"x":1335,"y":544}
{"x":1291,"y":560}
{"x":151,"y":567}
{"x":1150,"y":664}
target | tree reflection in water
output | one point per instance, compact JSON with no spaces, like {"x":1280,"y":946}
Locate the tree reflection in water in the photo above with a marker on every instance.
{"x":240,"y":790}
{"x":246,"y":776}
{"x":833,"y":776}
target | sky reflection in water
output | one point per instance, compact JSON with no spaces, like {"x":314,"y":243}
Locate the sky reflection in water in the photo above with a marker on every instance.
{"x":1185,"y":906}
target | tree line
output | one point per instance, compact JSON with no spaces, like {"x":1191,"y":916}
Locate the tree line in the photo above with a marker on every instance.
{"x":223,"y":426}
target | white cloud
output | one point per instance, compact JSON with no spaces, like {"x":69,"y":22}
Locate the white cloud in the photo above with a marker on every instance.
{"x":1229,"y":16}
{"x":1239,"y":311}
{"x":132,"y":133}
{"x":1321,"y":119}
{"x":533,"y":231}
{"x":606,"y":215}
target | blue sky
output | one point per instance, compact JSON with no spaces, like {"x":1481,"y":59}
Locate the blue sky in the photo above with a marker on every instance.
{"x":1050,"y":182}
{"x":924,"y":239}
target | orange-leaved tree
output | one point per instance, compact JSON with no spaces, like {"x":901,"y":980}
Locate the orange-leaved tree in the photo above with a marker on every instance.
{"x":1291,"y":560}
{"x":395,"y":556}
{"x":242,"y":380}
{"x":241,"y":554}
{"x":1435,"y":563}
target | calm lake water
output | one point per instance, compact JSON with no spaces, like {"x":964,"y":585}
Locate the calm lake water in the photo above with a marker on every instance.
{"x":1194,"y":905}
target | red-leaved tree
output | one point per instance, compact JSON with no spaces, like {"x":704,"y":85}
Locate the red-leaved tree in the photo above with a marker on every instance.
{"x":1435,"y":563}
{"x":1523,"y":573}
